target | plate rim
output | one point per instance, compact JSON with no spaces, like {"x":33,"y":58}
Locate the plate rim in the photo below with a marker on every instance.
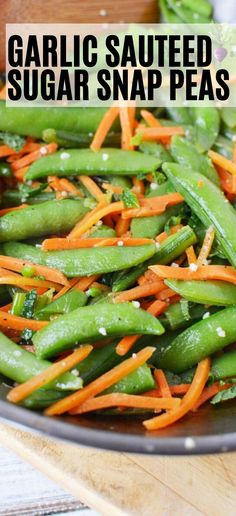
{"x":115,"y":441}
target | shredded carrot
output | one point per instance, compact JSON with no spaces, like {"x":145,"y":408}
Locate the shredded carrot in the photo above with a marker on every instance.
{"x":208,"y":393}
{"x":153,"y":206}
{"x":86,"y":282}
{"x":148,"y":289}
{"x":24,"y":390}
{"x":157,"y":133}
{"x":206,"y":246}
{"x":20,"y":323}
{"x":147,"y":277}
{"x":152,"y":121}
{"x":5,"y":151}
{"x":5,"y":211}
{"x":132,"y":113}
{"x":44,"y":150}
{"x":223,"y":162}
{"x":72,"y":283}
{"x":161,"y":380}
{"x":6,"y":308}
{"x":68,"y":186}
{"x":166,"y":294}
{"x":206,"y":272}
{"x":24,"y":282}
{"x":174,"y":389}
{"x":188,"y":402}
{"x":191,"y":256}
{"x":17,"y":264}
{"x":28,"y":147}
{"x":112,"y":188}
{"x":104,"y":127}
{"x":161,"y":237}
{"x":92,"y":187}
{"x":78,"y":243}
{"x":126,"y":130}
{"x":100,"y":384}
{"x":95,"y":216}
{"x":20,"y":174}
{"x":125,"y":344}
{"x":122,"y":226}
{"x":3,"y":92}
{"x":119,"y":399}
{"x":138,"y":185}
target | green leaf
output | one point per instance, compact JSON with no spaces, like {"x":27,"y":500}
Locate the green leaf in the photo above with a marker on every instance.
{"x":137,"y":139}
{"x":28,"y":307}
{"x":158,"y":177}
{"x":26,"y":190}
{"x":129,"y":199}
{"x":227,"y":394}
{"x":15,"y":141}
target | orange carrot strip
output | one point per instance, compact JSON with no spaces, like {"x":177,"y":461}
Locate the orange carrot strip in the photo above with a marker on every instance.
{"x":17,"y":264}
{"x":9,"y":210}
{"x":206,"y":272}
{"x":20,"y":174}
{"x":160,"y":377}
{"x":126,"y":131}
{"x":157,"y":133}
{"x":223,"y":162}
{"x":152,"y":121}
{"x":125,"y":344}
{"x":112,"y":188}
{"x":148,"y":289}
{"x":85,"y":283}
{"x":6,"y":308}
{"x":20,"y":323}
{"x":191,"y":256}
{"x":206,"y":246}
{"x":174,"y":389}
{"x":188,"y":401}
{"x":24,"y":282}
{"x":132,"y":113}
{"x":51,"y":244}
{"x":122,"y":226}
{"x":168,"y":199}
{"x":208,"y":393}
{"x":50,"y":148}
{"x":3,"y":92}
{"x":92,"y":187}
{"x":153,"y":206}
{"x":68,"y":186}
{"x":166,"y":294}
{"x":100,"y":384}
{"x":72,"y":283}
{"x":138,"y":185}
{"x":104,"y":127}
{"x":6,"y":151}
{"x":24,"y":390}
{"x":119,"y":399}
{"x":85,"y":224}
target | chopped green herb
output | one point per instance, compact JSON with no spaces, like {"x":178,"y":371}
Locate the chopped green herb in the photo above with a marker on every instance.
{"x":27,"y":334}
{"x":28,"y":307}
{"x":129,"y":199}
{"x":27,"y":271}
{"x":226,"y":395}
{"x":172,"y":221}
{"x":14,"y":141}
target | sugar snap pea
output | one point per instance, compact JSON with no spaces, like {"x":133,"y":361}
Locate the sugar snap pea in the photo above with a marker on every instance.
{"x":202,"y":7}
{"x":217,"y":293}
{"x":188,"y":15}
{"x":20,"y":365}
{"x":83,"y":262}
{"x":106,"y":161}
{"x":14,"y":198}
{"x":207,"y":123}
{"x":210,"y":205}
{"x":48,"y":217}
{"x":63,"y":305}
{"x":167,"y":14}
{"x":175,"y":317}
{"x":137,"y":382}
{"x":224,"y":366}
{"x":155,"y":149}
{"x":200,"y":340}
{"x":229,"y":116}
{"x":180,"y":115}
{"x":172,"y":247}
{"x":186,"y":154}
{"x":91,"y":323}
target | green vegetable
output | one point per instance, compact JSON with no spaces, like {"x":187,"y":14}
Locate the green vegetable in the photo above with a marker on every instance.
{"x":14,"y":141}
{"x":155,"y":149}
{"x":83,"y":262}
{"x":224,"y":366}
{"x":207,"y":123}
{"x":84,"y":161}
{"x":227,"y":394}
{"x":48,"y":217}
{"x":95,"y":322}
{"x":209,"y":204}
{"x":177,"y":317}
{"x":5,"y":170}
{"x":129,"y":199}
{"x":228,"y":116}
{"x":29,"y":303}
{"x":199,"y":341}
{"x":137,"y":382}
{"x":218,"y":293}
{"x":186,"y":154}
{"x":63,"y":305}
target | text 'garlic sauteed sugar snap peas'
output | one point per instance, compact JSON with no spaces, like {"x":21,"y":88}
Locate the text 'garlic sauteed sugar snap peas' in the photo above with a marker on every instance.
{"x":118,"y":256}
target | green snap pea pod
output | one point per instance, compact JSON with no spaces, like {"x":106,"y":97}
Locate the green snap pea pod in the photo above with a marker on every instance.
{"x":48,"y":217}
{"x":5,"y":170}
{"x":137,"y":382}
{"x":20,"y":365}
{"x":210,"y":205}
{"x":103,"y":231}
{"x":33,"y":121}
{"x":228,"y":116}
{"x":229,"y":132}
{"x":170,"y":249}
{"x":73,"y":299}
{"x":202,"y":7}
{"x":83,"y":262}
{"x":186,"y":154}
{"x":217,"y":293}
{"x":150,"y":227}
{"x":175,"y":317}
{"x":200,"y":341}
{"x":224,"y":366}
{"x":99,"y":361}
{"x":167,"y":14}
{"x":91,"y":323}
{"x":224,"y":146}
{"x":42,"y":398}
{"x":85,"y":161}
{"x":14,"y":198}
{"x":155,"y":149}
{"x":207,"y":123}
{"x":187,"y":15}
{"x":122,"y":181}
{"x":81,"y":140}
{"x":180,"y":115}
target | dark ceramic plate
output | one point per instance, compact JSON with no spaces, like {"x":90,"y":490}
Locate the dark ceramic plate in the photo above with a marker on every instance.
{"x":211,"y":430}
